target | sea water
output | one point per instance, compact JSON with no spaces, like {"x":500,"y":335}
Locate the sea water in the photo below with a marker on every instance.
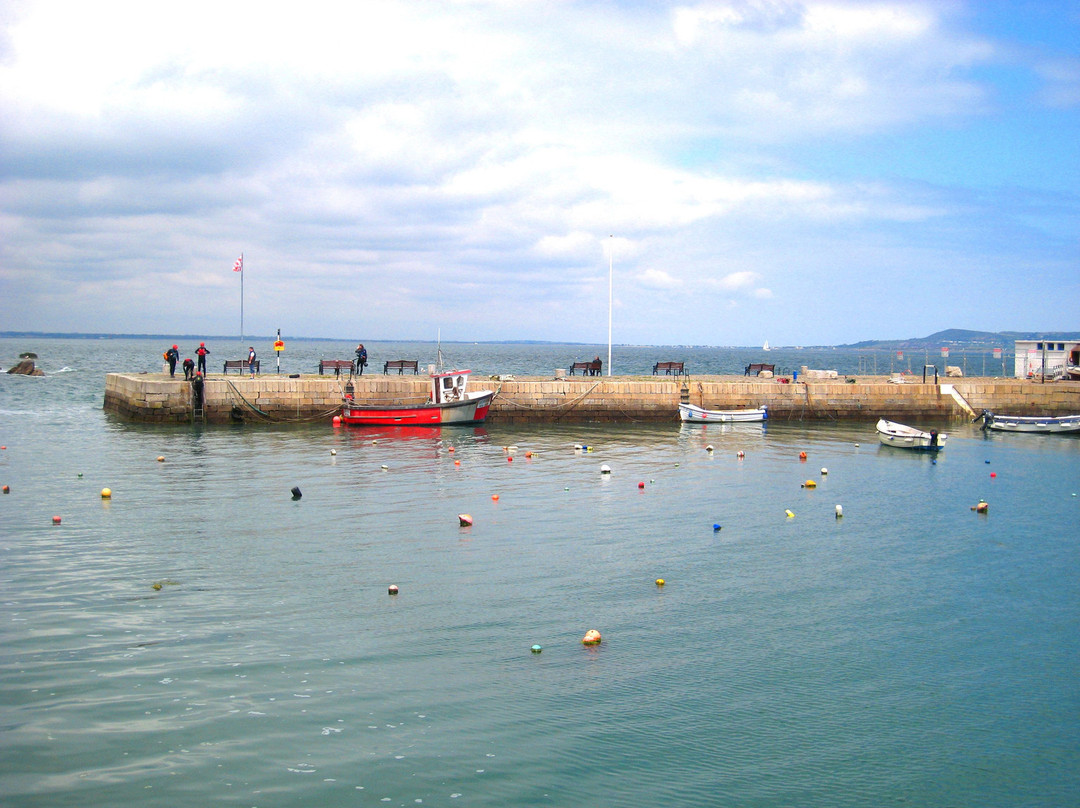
{"x":203,"y":637}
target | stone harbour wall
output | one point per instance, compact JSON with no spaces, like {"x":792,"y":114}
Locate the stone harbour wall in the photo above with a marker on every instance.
{"x":156,"y":398}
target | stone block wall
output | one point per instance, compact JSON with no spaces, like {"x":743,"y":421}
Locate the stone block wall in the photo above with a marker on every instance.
{"x":274,"y":399}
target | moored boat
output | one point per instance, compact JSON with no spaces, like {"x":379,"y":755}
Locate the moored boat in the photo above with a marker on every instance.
{"x":1030,"y":423}
{"x":693,"y":414}
{"x":449,"y":403}
{"x":902,"y":436}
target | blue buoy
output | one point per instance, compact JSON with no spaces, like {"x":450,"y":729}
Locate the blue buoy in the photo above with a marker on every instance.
{"x":536,"y":649}
{"x":716,"y":528}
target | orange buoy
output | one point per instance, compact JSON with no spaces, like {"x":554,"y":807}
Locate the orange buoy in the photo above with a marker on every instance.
{"x":802,"y":455}
{"x":337,"y":420}
{"x":56,"y":520}
{"x":457,"y":462}
{"x":494,"y":497}
{"x":592,"y":637}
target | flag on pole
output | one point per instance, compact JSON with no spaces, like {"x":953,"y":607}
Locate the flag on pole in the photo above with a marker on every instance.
{"x":239,"y":265}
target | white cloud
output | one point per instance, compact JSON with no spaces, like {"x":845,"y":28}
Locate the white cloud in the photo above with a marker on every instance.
{"x":658,"y":279}
{"x":471,"y":151}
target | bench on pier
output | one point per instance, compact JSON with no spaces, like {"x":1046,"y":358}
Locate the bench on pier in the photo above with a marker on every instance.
{"x":239,"y":365}
{"x":758,"y":367}
{"x":587,"y":368}
{"x":336,"y":365}
{"x":669,"y":368}
{"x":401,"y":365}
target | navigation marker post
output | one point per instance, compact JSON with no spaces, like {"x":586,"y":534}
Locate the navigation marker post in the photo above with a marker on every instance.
{"x":279,"y":346}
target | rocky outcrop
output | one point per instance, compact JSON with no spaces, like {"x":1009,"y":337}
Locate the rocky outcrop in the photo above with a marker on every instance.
{"x":26,"y":368}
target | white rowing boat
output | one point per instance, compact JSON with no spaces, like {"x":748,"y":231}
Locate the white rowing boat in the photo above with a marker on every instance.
{"x":699,"y":415}
{"x":902,"y":436}
{"x":1030,"y":423}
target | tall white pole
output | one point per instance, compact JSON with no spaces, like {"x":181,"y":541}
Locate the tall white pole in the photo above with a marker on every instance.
{"x":241,"y":297}
{"x":611,"y":262}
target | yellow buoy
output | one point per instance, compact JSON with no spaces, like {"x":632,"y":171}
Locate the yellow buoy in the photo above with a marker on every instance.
{"x":161,"y":458}
{"x":789,"y":514}
{"x":809,"y":484}
{"x":106,"y":493}
{"x":660,"y":581}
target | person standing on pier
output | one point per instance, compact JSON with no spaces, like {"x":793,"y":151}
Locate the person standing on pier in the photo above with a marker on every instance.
{"x":172,"y":356}
{"x":202,"y":352}
{"x":251,"y":360}
{"x":361,"y":359}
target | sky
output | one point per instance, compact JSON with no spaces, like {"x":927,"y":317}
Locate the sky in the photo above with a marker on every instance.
{"x":714,"y":173}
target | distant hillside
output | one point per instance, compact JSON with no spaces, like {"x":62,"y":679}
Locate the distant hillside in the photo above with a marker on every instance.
{"x":963,"y":338}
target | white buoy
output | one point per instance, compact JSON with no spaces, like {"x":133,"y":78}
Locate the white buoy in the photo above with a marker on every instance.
{"x":709,"y":448}
{"x":333,"y":452}
{"x":839,"y":511}
{"x":824,"y":471}
{"x":605,"y":469}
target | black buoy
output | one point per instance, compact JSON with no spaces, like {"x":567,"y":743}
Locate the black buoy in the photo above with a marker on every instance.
{"x":296,"y":492}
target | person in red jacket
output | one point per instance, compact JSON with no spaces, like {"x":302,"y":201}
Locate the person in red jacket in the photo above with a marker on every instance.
{"x":202,"y":352}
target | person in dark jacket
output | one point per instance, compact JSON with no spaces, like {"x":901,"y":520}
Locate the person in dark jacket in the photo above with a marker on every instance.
{"x":251,"y":360}
{"x":172,"y":356}
{"x":361,"y":359}
{"x":189,"y":369}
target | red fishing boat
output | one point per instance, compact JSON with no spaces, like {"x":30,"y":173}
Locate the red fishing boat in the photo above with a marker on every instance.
{"x":449,"y":403}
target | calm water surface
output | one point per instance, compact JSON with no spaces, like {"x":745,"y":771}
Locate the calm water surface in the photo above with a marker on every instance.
{"x":912,"y":652}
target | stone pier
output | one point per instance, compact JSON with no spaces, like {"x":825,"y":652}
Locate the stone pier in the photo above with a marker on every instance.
{"x":157,"y":398}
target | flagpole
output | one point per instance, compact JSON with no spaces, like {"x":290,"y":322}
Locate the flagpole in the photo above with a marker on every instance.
{"x":241,"y":297}
{"x":611,"y":262}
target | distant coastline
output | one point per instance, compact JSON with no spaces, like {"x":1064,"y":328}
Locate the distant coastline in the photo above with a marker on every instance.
{"x":950,"y":338}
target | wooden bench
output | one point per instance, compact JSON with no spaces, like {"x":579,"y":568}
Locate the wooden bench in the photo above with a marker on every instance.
{"x":757,"y":367}
{"x":587,"y":368}
{"x":337,"y":365}
{"x":239,"y":365}
{"x":669,"y":368}
{"x":401,"y":365}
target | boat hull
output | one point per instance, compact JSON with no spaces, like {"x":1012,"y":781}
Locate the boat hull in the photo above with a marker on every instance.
{"x":699,"y":415}
{"x":1026,"y":423}
{"x":472,"y":410}
{"x":901,"y":436}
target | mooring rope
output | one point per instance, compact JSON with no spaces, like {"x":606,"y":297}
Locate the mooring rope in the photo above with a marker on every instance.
{"x":566,"y":405}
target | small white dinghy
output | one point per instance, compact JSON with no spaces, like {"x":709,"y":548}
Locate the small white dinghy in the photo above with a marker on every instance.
{"x":699,"y":415}
{"x":901,"y":436}
{"x":1030,"y":423}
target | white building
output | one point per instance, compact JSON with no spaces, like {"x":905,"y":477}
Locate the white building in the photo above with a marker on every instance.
{"x":1038,"y":357}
